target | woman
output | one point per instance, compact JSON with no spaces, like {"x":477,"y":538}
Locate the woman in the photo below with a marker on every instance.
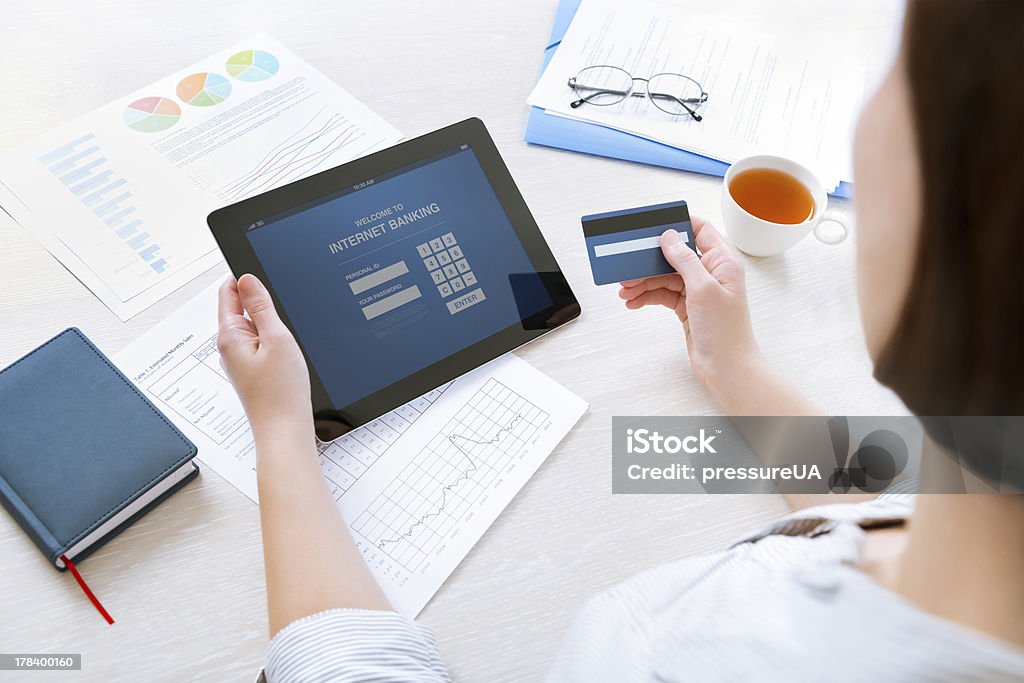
{"x":851,"y":591}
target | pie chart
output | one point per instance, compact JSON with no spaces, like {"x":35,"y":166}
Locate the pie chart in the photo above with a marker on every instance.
{"x":152,"y":114}
{"x":203,"y":89}
{"x":252,"y":65}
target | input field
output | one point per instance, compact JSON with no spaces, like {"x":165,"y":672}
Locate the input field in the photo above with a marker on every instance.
{"x":390,"y":303}
{"x":378,"y":277}
{"x":627,"y":246}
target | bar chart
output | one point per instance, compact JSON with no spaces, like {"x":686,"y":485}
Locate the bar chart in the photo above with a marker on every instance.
{"x":82,"y":168}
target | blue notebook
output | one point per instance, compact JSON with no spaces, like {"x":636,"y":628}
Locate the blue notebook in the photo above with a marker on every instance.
{"x":580,"y":136}
{"x":83,"y":453}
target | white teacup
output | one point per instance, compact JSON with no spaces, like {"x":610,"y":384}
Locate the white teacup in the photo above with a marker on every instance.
{"x":758,"y":237}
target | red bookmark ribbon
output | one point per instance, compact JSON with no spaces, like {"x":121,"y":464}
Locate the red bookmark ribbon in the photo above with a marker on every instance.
{"x":85,"y":589}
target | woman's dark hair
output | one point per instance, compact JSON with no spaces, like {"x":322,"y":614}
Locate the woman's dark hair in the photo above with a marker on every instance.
{"x":958,"y":347}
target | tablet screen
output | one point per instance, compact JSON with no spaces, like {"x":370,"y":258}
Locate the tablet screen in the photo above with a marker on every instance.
{"x":400,"y":271}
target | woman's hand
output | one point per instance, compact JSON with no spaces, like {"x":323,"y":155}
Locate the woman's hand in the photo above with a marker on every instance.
{"x":709,"y":295}
{"x":262,"y":358}
{"x":311,"y":561}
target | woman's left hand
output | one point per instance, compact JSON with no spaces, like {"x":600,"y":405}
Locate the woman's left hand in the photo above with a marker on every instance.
{"x":261,"y":357}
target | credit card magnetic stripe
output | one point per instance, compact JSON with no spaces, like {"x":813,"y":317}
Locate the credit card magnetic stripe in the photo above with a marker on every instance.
{"x":631,"y":219}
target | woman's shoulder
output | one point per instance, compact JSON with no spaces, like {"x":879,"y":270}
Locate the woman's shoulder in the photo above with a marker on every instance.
{"x":801,"y":541}
{"x":765,"y":607}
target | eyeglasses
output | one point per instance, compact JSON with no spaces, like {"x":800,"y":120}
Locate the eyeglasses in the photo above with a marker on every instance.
{"x":604,"y":85}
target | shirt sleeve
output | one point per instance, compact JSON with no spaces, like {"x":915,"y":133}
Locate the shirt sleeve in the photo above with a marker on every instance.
{"x":354,"y":645}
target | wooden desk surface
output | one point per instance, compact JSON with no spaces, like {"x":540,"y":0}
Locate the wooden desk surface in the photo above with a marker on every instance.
{"x":186,"y":582}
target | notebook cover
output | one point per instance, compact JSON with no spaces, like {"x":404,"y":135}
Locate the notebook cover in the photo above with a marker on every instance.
{"x":79,"y":442}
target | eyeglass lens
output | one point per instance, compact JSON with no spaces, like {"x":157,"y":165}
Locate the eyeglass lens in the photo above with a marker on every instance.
{"x":674,"y":93}
{"x":603,"y":85}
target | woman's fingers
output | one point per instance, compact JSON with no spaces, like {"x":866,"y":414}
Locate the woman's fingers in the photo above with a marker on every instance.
{"x":684,"y":259}
{"x":671,"y":282}
{"x":718,"y":257}
{"x":230,"y":314}
{"x":228,"y":304}
{"x":657,"y":297}
{"x":706,"y":235}
{"x":628,"y":293}
{"x":256,"y":300}
{"x":234,"y":329}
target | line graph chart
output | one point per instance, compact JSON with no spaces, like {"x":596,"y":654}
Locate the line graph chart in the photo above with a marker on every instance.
{"x":296,"y":156}
{"x":416,"y":514}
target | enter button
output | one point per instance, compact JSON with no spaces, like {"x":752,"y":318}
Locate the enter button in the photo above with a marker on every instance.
{"x":465,"y":301}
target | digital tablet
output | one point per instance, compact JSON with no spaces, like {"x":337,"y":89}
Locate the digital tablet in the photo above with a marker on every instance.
{"x":399,"y":271}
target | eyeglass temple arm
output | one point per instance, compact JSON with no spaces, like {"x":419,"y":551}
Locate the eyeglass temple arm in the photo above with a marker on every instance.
{"x":683,"y":102}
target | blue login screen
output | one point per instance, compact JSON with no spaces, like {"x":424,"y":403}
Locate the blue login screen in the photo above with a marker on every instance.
{"x":396,"y":273}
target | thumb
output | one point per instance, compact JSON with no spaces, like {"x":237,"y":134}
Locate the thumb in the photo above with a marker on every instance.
{"x":684,"y":259}
{"x":260,"y":307}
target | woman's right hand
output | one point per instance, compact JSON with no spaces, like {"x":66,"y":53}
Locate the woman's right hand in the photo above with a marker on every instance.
{"x":709,"y":296}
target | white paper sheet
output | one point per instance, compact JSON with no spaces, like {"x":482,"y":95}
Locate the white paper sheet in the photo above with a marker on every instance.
{"x":765,"y":96}
{"x":120,"y":196}
{"x":418,"y":486}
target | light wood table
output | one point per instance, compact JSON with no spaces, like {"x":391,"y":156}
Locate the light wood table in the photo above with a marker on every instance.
{"x":186,"y":582}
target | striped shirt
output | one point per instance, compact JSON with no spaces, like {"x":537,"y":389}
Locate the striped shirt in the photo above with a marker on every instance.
{"x":785,"y":604}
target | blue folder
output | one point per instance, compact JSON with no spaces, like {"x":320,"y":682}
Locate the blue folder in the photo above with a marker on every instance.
{"x":591,"y":138}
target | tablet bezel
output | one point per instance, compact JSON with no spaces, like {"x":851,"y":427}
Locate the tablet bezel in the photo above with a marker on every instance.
{"x":230,"y":224}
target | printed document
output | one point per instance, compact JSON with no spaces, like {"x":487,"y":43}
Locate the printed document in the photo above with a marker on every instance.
{"x":764,"y":95}
{"x":120,"y":196}
{"x":418,"y":486}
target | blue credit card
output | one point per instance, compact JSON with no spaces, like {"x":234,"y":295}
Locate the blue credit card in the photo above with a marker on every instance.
{"x":624,"y":245}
